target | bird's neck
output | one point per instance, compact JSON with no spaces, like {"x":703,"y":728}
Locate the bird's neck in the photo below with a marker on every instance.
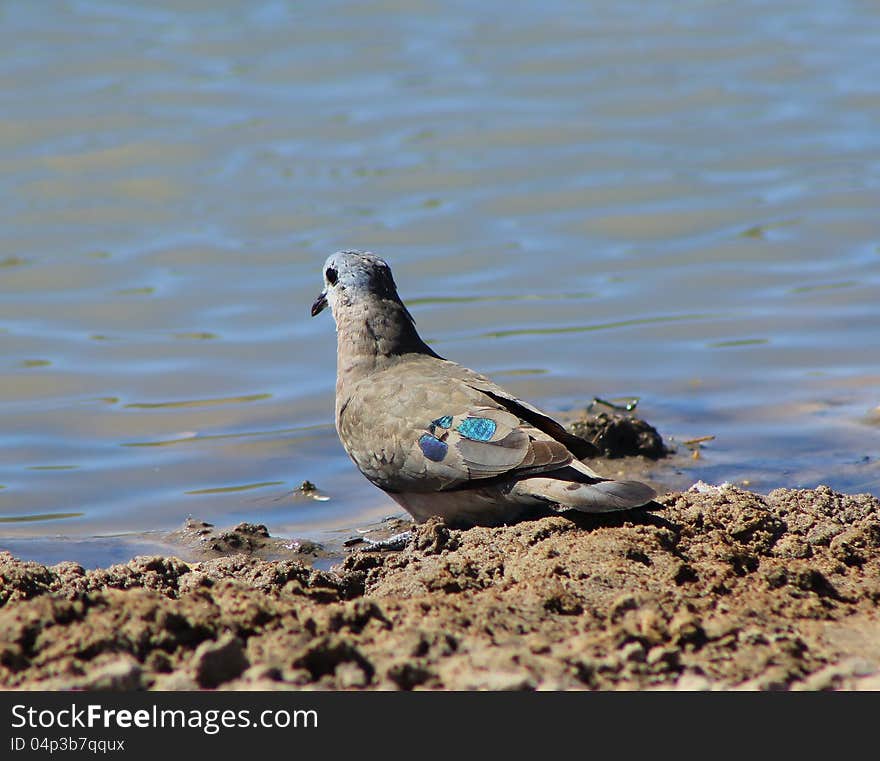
{"x":373,"y":336}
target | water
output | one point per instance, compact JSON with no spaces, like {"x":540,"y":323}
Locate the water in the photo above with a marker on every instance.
{"x":678,"y":203}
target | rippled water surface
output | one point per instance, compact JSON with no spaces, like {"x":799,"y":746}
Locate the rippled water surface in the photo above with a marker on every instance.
{"x":672,"y":201}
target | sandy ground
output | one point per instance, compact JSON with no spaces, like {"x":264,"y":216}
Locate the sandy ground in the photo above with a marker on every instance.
{"x":717,"y":588}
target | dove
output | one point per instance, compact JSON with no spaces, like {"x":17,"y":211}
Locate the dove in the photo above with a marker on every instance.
{"x":438,"y":438}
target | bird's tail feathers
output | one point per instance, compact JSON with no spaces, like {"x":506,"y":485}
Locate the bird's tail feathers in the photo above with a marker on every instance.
{"x":598,"y":496}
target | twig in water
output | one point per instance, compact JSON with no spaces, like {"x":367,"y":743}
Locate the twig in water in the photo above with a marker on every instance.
{"x":628,"y":406}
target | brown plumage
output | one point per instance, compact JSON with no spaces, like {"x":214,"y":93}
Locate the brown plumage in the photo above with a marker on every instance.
{"x":438,"y":438}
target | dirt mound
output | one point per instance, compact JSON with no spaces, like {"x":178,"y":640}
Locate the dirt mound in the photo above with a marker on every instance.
{"x":722,"y":588}
{"x":618,"y":435}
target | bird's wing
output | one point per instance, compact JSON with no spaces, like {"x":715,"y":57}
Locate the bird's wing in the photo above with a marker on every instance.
{"x":424,"y":427}
{"x":479,"y":443}
{"x":580,"y":448}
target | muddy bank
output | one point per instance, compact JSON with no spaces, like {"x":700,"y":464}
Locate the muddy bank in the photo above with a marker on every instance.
{"x":722,"y":588}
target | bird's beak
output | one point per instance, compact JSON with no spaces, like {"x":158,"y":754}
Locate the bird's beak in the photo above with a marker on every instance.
{"x":320,"y":303}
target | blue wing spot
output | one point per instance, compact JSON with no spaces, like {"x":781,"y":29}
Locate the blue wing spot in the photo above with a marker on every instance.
{"x":432,"y":447}
{"x":443,"y":422}
{"x":477,"y":428}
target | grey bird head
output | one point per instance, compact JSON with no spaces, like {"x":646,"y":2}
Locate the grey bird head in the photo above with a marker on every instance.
{"x":352,"y":277}
{"x":372,"y":323}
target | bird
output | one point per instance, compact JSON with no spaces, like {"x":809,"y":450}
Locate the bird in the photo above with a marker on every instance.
{"x":438,"y":438}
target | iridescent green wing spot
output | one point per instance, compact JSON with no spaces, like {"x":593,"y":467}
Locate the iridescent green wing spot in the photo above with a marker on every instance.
{"x":477,"y":428}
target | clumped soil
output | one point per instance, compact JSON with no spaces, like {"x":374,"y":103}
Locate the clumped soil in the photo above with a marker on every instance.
{"x":618,"y":435}
{"x":721,"y":588}
{"x":199,"y":540}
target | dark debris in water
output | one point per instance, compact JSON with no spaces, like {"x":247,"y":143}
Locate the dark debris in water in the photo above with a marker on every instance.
{"x":620,"y":435}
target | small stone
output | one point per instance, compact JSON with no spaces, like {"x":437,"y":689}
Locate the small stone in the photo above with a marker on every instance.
{"x":564,"y":603}
{"x":834,"y":674}
{"x":350,"y":674}
{"x":174,"y":682}
{"x":693,"y":683}
{"x":666,"y":657}
{"x":844,"y":547}
{"x":686,"y":630}
{"x":633,"y":652}
{"x":407,"y":675}
{"x":773,"y":678}
{"x":621,"y":606}
{"x":433,"y":536}
{"x":262,"y":672}
{"x":219,"y":661}
{"x":652,"y":628}
{"x":122,"y":674}
{"x":792,"y":546}
{"x":507,"y":681}
{"x":159,"y":662}
{"x":684,"y":574}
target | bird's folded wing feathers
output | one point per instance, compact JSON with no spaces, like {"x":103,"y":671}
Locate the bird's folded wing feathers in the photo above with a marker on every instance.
{"x":580,"y":448}
{"x":483,"y":442}
{"x":429,"y":424}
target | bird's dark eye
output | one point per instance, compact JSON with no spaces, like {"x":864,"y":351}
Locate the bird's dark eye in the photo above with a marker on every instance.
{"x":331,"y":275}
